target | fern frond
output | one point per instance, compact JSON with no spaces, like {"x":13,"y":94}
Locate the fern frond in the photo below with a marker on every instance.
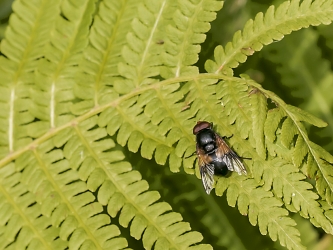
{"x":53,"y":92}
{"x":286,"y":182}
{"x":284,"y":179}
{"x":265,"y":211}
{"x":126,"y":74}
{"x":212,"y":212}
{"x":142,"y":52}
{"x":123,"y":191}
{"x":266,"y":28}
{"x":98,"y":73}
{"x":185,"y":33}
{"x":307,"y":75}
{"x":289,"y":184}
{"x":45,"y":216}
{"x":25,"y":39}
{"x":258,"y":112}
{"x":274,"y":117}
{"x":55,"y":193}
{"x":150,"y":49}
{"x":318,"y":165}
{"x":234,"y":99}
{"x":113,"y":119}
{"x":118,"y":47}
{"x":131,"y":118}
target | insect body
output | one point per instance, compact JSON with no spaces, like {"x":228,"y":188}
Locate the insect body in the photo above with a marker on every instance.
{"x":214,"y":155}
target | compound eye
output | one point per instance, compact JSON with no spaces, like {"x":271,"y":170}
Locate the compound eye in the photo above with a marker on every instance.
{"x":200,"y":126}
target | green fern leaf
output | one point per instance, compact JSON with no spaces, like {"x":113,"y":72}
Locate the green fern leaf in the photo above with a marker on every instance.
{"x":141,"y":55}
{"x":98,"y":81}
{"x":265,"y":29}
{"x":53,"y":90}
{"x":291,"y":127}
{"x":82,"y":83}
{"x":321,"y":168}
{"x":305,"y":202}
{"x":307,"y":74}
{"x":289,"y":184}
{"x":273,"y":119}
{"x":21,"y":50}
{"x":259,"y":110}
{"x":299,"y":152}
{"x":184,"y":34}
{"x":75,"y":210}
{"x":302,"y":115}
{"x":288,"y":131}
{"x":136,"y":190}
{"x":266,"y":212}
{"x":234,"y":100}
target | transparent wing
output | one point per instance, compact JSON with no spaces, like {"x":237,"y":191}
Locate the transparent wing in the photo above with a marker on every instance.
{"x":207,"y":173}
{"x":206,"y":170}
{"x":230,"y":158}
{"x":234,"y":164}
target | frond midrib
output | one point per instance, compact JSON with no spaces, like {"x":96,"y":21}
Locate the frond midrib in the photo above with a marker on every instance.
{"x":62,"y":63}
{"x":150,"y":39}
{"x":99,"y":109}
{"x":16,"y":76}
{"x":106,"y":54}
{"x":157,"y":85}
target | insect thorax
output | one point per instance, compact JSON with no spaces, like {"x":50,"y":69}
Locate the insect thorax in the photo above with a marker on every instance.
{"x":206,"y":140}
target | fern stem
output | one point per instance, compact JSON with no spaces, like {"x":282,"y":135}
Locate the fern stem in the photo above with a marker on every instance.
{"x":53,"y":131}
{"x":150,"y":41}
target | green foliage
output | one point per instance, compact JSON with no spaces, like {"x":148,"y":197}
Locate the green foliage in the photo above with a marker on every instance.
{"x":92,"y":89}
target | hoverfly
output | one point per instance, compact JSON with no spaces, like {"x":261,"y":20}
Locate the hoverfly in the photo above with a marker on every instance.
{"x":214,"y":155}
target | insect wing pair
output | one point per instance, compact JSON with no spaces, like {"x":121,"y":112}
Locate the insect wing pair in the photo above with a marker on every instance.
{"x":214,"y":155}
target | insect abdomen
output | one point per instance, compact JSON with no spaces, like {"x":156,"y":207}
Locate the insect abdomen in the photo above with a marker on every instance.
{"x":220,"y":168}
